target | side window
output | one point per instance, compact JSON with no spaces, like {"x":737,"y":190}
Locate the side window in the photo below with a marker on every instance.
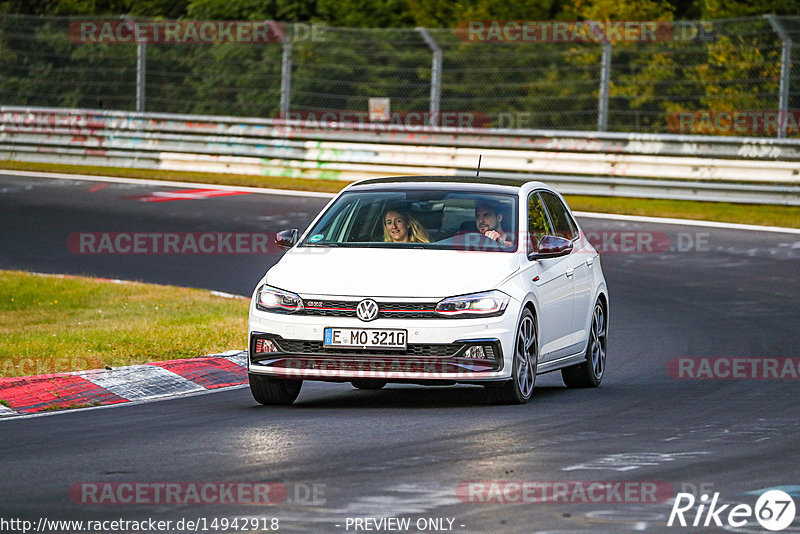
{"x":334,"y":229}
{"x":558,"y":215}
{"x":538,"y":224}
{"x":572,"y":224}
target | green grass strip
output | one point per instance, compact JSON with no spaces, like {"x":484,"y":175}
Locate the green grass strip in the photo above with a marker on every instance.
{"x":51,"y":324}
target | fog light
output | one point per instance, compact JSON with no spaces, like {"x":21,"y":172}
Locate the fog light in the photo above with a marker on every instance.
{"x":265,"y":346}
{"x":476,"y":351}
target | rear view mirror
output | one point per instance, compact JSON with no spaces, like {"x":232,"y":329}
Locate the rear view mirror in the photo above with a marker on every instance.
{"x":286,"y":239}
{"x":427,"y":206}
{"x":551,"y":246}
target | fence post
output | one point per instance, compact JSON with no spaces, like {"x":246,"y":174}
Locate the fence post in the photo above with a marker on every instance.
{"x":436,"y":74}
{"x":286,"y":74}
{"x":141,"y":66}
{"x":605,"y":83}
{"x":786,"y":66}
{"x":141,"y":80}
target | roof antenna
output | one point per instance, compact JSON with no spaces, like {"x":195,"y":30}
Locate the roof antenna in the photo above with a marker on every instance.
{"x":478,"y":172}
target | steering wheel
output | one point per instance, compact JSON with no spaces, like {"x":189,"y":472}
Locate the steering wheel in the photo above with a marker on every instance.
{"x":469,"y":240}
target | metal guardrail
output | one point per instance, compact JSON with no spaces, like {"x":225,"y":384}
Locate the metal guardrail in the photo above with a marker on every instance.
{"x":734,"y":169}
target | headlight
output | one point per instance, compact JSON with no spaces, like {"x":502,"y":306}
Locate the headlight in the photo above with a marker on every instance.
{"x":485,"y":304}
{"x":272,"y":299}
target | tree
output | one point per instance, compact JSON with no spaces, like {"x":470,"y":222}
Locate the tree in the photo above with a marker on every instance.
{"x":718,"y":9}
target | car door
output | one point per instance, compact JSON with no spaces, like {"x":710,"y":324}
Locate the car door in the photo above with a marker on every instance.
{"x":553,"y":288}
{"x":580,"y":269}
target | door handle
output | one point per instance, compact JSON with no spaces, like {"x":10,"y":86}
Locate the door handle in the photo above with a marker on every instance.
{"x":570,"y":272}
{"x":590,"y":262}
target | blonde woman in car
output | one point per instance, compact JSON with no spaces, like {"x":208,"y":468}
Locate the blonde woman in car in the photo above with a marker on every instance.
{"x":400,"y":227}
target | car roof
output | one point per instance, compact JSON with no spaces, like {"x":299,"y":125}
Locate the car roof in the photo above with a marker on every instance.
{"x":506,"y":185}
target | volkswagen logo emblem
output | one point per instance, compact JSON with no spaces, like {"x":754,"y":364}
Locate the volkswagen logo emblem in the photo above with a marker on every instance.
{"x":367,"y":310}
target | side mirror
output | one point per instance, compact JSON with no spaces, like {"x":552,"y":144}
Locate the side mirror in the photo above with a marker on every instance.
{"x":551,"y":246}
{"x":286,"y":239}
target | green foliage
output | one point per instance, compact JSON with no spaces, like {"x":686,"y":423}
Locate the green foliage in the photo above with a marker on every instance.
{"x":538,"y":84}
{"x":717,"y":9}
{"x":144,"y":8}
{"x":406,"y":13}
{"x":283,"y":10}
{"x":226,"y":10}
{"x":618,"y":10}
{"x":729,"y":62}
{"x":363,"y":13}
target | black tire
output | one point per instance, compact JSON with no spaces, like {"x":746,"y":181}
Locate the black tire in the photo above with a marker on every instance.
{"x":268,"y":390}
{"x":519,"y":389}
{"x":590,"y":373}
{"x":368,"y":384}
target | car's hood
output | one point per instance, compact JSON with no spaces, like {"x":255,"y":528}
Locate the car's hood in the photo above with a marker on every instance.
{"x":381,"y":272}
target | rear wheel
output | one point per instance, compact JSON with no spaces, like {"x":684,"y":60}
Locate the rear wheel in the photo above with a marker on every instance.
{"x":269,"y":390}
{"x":589,"y":374}
{"x":368,"y":384}
{"x":519,"y":389}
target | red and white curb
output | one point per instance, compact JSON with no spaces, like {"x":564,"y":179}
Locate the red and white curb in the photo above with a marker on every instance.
{"x":82,"y":389}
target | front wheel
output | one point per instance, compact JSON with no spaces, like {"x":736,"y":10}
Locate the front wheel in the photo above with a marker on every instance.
{"x":519,"y":389}
{"x":589,"y":374}
{"x":269,"y":390}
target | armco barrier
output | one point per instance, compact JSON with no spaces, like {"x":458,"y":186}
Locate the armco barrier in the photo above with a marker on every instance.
{"x":752,"y":170}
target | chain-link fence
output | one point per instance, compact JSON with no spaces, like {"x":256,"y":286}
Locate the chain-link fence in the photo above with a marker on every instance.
{"x":729,"y":77}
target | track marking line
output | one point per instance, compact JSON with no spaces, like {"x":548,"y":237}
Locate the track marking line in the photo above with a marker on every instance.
{"x":166,"y":183}
{"x":687,"y":222}
{"x":186,"y":194}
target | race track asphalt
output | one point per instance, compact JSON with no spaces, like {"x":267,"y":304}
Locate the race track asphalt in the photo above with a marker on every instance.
{"x":405,"y":451}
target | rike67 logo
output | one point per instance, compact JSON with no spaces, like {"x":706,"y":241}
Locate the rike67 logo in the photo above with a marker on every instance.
{"x":774,"y":510}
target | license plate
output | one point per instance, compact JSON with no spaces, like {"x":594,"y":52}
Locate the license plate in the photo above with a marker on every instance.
{"x":365,"y":338}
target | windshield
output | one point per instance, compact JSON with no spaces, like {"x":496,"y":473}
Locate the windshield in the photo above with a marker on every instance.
{"x":417,"y":218}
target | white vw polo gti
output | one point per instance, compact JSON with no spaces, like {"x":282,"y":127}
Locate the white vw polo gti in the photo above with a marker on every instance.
{"x":432,"y":280}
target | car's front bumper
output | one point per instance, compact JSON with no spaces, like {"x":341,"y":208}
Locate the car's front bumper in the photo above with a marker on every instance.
{"x":436,"y":349}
